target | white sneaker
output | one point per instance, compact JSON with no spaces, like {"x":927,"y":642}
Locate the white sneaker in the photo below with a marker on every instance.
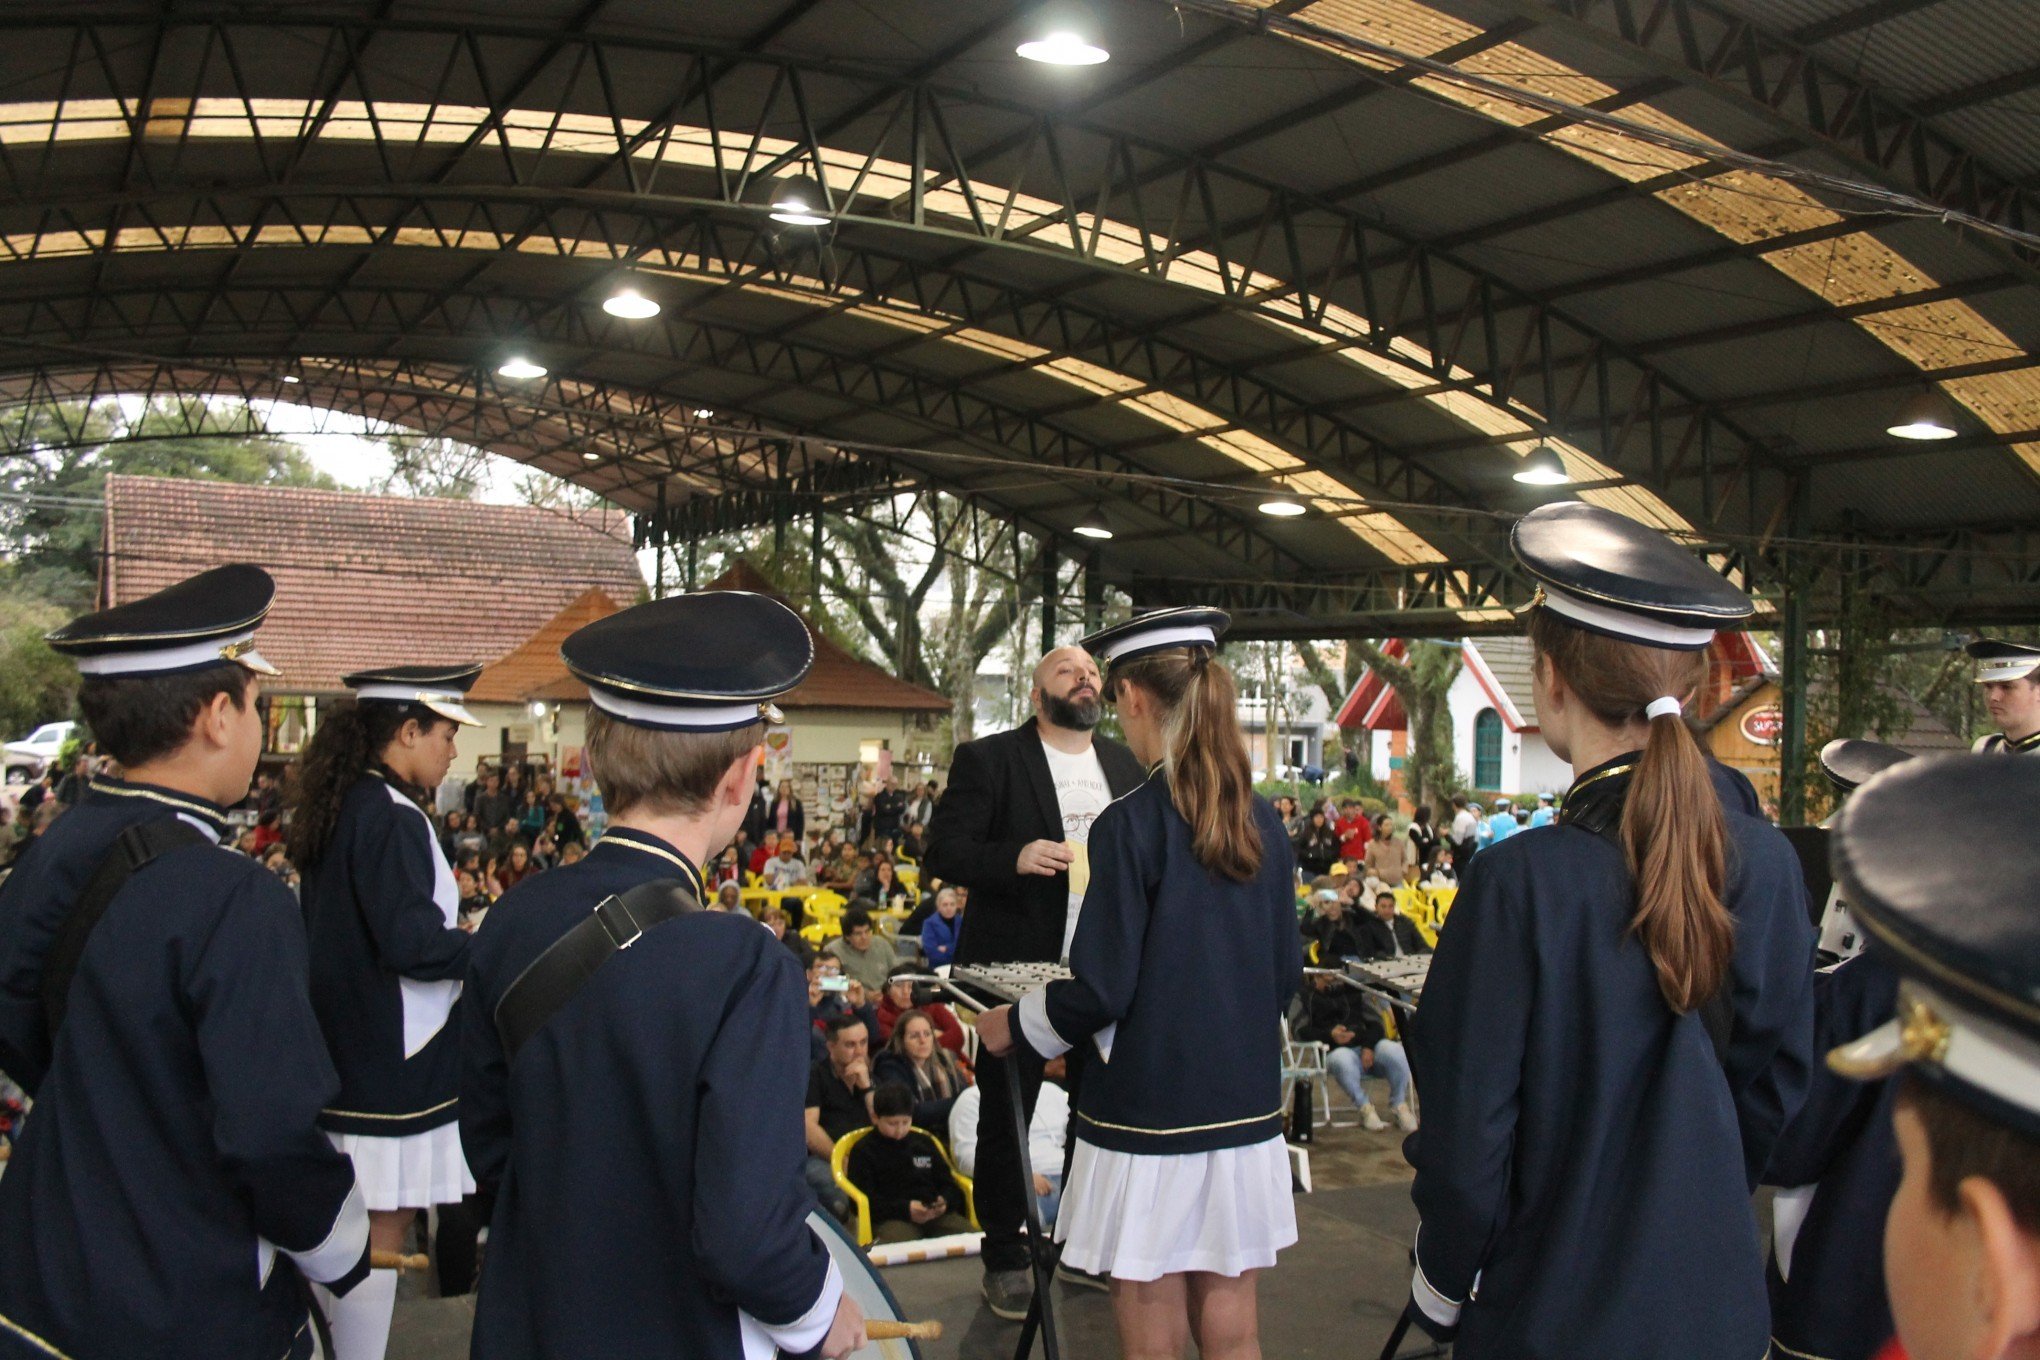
{"x":1404,"y":1120}
{"x":1371,"y":1121}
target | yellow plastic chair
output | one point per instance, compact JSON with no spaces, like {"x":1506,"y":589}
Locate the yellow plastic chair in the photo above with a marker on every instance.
{"x":839,"y":1160}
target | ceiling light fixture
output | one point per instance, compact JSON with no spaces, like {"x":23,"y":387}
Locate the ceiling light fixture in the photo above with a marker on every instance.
{"x":800,"y":203}
{"x":1543,"y":467}
{"x":1283,"y":507}
{"x":292,"y":378}
{"x":630,"y":305}
{"x":1093,"y":525}
{"x":1063,"y":49}
{"x":591,"y":457}
{"x":520,"y":368}
{"x":1925,"y":415}
{"x":703,"y":413}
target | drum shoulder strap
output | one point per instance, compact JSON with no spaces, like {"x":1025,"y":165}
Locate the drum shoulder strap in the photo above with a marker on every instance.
{"x":131,"y":851}
{"x":553,"y":979}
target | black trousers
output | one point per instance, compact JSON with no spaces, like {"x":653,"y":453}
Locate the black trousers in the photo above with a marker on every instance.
{"x":1001,"y":1209}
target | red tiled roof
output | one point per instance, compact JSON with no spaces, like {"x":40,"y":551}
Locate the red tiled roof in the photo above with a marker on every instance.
{"x":534,"y":670}
{"x":364,"y":579}
{"x":839,"y":680}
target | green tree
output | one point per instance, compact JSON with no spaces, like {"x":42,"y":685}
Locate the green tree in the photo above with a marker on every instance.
{"x":36,"y":684}
{"x":52,"y":490}
{"x":1420,"y":681}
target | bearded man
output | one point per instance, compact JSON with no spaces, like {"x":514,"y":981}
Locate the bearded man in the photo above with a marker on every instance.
{"x":1012,"y":827}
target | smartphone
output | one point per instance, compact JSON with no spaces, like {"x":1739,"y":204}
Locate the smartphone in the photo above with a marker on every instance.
{"x":836,"y":984}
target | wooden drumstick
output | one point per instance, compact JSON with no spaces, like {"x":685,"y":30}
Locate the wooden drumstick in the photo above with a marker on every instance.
{"x":394,"y":1260}
{"x":879,"y":1330}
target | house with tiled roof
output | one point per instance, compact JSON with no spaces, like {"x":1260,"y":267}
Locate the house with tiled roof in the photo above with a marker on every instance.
{"x":1496,"y":740}
{"x":843,"y":721}
{"x":366,"y":580}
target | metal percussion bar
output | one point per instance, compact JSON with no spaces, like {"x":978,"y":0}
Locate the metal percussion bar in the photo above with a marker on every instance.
{"x":1041,"y":1253}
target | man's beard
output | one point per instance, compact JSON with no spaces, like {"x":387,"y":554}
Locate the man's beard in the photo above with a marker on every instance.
{"x":1076,"y":715}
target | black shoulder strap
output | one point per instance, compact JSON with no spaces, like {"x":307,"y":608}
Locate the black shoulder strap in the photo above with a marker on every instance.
{"x":552,"y":979}
{"x":132,"y":849}
{"x":1717,"y":1012}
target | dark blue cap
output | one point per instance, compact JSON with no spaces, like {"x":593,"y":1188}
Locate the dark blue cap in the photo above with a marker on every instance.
{"x":204,"y":620}
{"x":705,"y":662}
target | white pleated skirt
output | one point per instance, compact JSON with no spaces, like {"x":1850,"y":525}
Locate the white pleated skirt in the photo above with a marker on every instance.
{"x":415,"y":1171}
{"x":1136,"y":1216}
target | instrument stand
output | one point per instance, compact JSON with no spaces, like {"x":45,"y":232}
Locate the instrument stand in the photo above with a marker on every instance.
{"x":1041,"y":1252}
{"x":1395,"y":1339}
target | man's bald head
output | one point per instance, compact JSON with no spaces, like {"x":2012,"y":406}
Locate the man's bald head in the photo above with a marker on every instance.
{"x":1067,"y":692}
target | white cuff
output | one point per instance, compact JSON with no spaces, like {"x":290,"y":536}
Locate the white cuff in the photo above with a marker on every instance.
{"x":1041,"y":1035}
{"x":1436,"y":1306}
{"x":343,"y":1246}
{"x":804,"y":1333}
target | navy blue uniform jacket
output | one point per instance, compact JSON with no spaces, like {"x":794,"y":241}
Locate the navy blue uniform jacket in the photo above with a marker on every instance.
{"x":1193,"y":969}
{"x":1584,"y":1155}
{"x":1830,"y":1304}
{"x":648,"y":1140}
{"x":380,"y":908}
{"x":174,"y":1148}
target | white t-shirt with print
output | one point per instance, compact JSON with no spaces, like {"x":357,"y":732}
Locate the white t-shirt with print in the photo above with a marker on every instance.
{"x":1081,"y":793}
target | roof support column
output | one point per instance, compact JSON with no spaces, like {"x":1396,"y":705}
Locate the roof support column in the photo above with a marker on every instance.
{"x":661,"y":536}
{"x":1094,"y":593}
{"x":1048,"y":590}
{"x":1792,"y":629}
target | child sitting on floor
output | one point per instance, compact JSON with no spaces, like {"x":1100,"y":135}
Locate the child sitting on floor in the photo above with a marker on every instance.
{"x":902,"y":1172}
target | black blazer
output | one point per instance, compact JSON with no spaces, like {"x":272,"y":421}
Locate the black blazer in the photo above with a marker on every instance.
{"x":1378,"y":938}
{"x":1000,"y":797}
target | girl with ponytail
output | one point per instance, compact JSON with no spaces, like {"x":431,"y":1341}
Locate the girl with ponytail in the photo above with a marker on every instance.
{"x":382,"y":912}
{"x":1618,"y":1018}
{"x":1186,"y":955}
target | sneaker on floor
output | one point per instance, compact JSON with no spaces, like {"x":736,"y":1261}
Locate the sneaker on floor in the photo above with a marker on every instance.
{"x":1371,"y":1121}
{"x":1008,"y":1293}
{"x":1404,"y":1119}
{"x":1081,"y":1279}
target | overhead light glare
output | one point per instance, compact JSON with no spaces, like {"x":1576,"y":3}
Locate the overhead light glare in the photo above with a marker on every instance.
{"x":292,"y":378}
{"x":630,"y":305}
{"x":1093,"y":525}
{"x":591,"y":457}
{"x":1063,"y":49}
{"x":1283,"y":507}
{"x":521,"y":368}
{"x":1926,"y":415}
{"x":703,"y":413}
{"x":1543,"y":467}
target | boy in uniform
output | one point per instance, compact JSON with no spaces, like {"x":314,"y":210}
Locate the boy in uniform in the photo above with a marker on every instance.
{"x":153,"y":998}
{"x":633,"y":1068}
{"x":1962,"y":1244}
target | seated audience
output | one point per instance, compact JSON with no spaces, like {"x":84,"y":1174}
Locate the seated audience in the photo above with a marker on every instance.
{"x":573,"y":852}
{"x":1350,"y":1028}
{"x":473,"y":901}
{"x":775,"y":920}
{"x":914,"y":843}
{"x":837,"y":1088}
{"x":1046,"y":1136}
{"x":566,"y":825}
{"x":901,"y":1171}
{"x":726,"y":868}
{"x":940,"y":928}
{"x":866,"y":956}
{"x":881,"y":884}
{"x":930,"y":1071}
{"x":1443,"y":873}
{"x":517,"y":866}
{"x":839,"y":870}
{"x":726,"y":898}
{"x":786,"y":869}
{"x":898,"y":999}
{"x":1331,"y":929}
{"x":1388,"y":934}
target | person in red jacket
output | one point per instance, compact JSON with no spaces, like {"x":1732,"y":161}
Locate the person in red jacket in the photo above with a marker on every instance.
{"x":899,"y":997}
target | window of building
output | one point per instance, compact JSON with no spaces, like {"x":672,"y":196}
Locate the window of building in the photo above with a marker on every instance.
{"x":1487,"y":749}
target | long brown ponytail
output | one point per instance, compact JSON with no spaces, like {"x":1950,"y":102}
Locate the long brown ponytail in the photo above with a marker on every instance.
{"x":1673,"y":832}
{"x":351,"y":737}
{"x":1210,"y":778}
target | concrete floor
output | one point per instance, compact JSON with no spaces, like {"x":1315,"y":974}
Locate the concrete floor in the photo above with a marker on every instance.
{"x":1337,"y":1292}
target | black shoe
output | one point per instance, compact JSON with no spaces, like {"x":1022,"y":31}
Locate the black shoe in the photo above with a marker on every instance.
{"x":1081,"y":1279}
{"x":1008,"y":1293}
